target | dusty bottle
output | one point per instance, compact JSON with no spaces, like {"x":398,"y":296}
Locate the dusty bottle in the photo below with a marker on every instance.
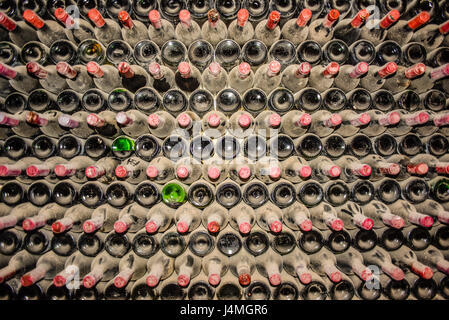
{"x":296,"y":30}
{"x":268,"y":30}
{"x":19,"y":32}
{"x":268,"y":76}
{"x":349,"y":76}
{"x":77,"y":77}
{"x":19,"y":79}
{"x":103,"y":170}
{"x":242,"y":218}
{"x":160,"y":170}
{"x":240,"y":30}
{"x":382,"y":258}
{"x":406,"y":258}
{"x":214,"y":30}
{"x":324,"y":263}
{"x":161,"y":124}
{"x":187,"y":31}
{"x":77,"y":265}
{"x":133,"y":123}
{"x":106,"y":77}
{"x":269,"y":218}
{"x":159,"y":218}
{"x":188,"y":77}
{"x":270,"y":266}
{"x":79,"y":30}
{"x":322,"y":77}
{"x":242,"y":265}
{"x":297,"y":217}
{"x":73,"y":219}
{"x":215,"y":265}
{"x":187,"y":266}
{"x":103,"y":219}
{"x":241,"y":77}
{"x":352,"y":262}
{"x":349,"y":29}
{"x":160,"y":30}
{"x":352,"y":168}
{"x":106,"y":30}
{"x":133,"y":31}
{"x":296,"y":77}
{"x":296,"y":169}
{"x":159,"y":267}
{"x":325,"y":217}
{"x":163,"y":77}
{"x":321,"y":30}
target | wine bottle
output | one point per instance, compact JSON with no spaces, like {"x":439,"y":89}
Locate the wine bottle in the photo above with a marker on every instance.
{"x":131,"y":268}
{"x":268,"y":31}
{"x":187,"y":267}
{"x":296,"y":30}
{"x":352,"y":168}
{"x":159,"y":218}
{"x":160,"y":170}
{"x":324,"y":169}
{"x":103,"y":170}
{"x":322,"y":30}
{"x":270,"y":266}
{"x":215,"y":29}
{"x":133,"y":123}
{"x":188,"y":77}
{"x":215,"y":265}
{"x":161,"y":124}
{"x":77,"y":265}
{"x":322,"y":77}
{"x":241,"y":124}
{"x":76,"y":123}
{"x":297,"y":217}
{"x":352,"y":262}
{"x":380,"y":167}
{"x":433,"y":209}
{"x":242,"y":218}
{"x":348,"y":77}
{"x":106,"y":30}
{"x":163,"y":77}
{"x":214,"y":78}
{"x":353,"y":216}
{"x":295,"y":77}
{"x":324,"y":263}
{"x":73,"y":219}
{"x":133,"y":31}
{"x":105,"y":77}
{"x":160,"y":30}
{"x":45,"y":217}
{"x":241,"y":77}
{"x":382,"y":258}
{"x":103,"y":218}
{"x":240,"y":30}
{"x":269,"y":217}
{"x":159,"y":267}
{"x":187,"y":31}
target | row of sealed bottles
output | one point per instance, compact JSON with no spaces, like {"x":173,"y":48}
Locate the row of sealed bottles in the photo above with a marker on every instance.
{"x":294,"y":75}
{"x":389,"y":225}
{"x":367,"y":275}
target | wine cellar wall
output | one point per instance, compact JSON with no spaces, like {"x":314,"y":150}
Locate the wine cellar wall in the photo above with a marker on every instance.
{"x":224,"y":149}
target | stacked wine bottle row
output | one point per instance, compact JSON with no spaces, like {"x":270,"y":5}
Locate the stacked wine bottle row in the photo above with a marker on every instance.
{"x":224,"y":150}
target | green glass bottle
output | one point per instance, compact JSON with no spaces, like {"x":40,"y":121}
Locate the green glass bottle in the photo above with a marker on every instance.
{"x":173,"y":194}
{"x":440,"y":189}
{"x":122,"y":147}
